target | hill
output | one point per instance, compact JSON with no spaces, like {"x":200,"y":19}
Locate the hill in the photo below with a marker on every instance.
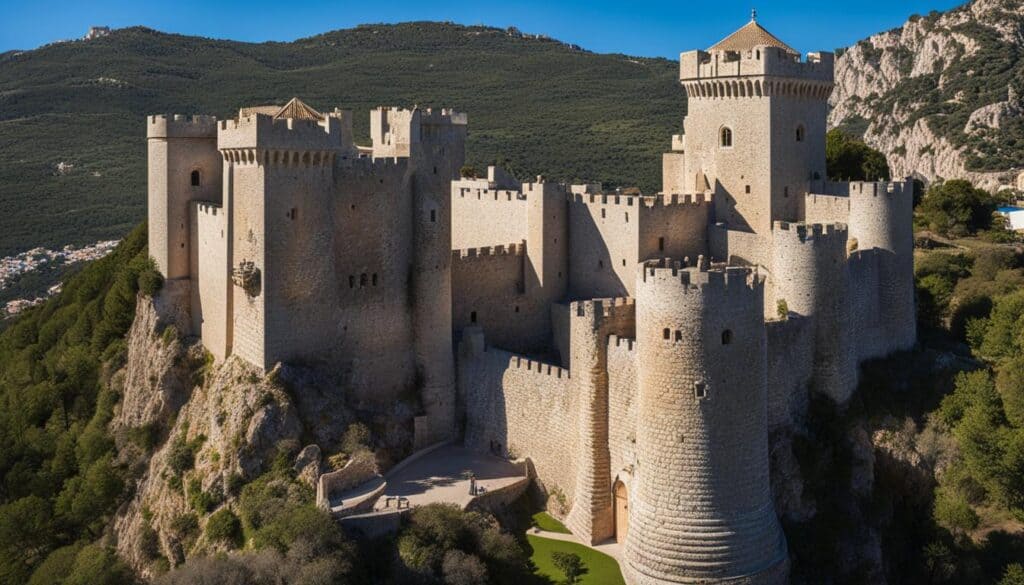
{"x":940,"y":96}
{"x":538,"y":105}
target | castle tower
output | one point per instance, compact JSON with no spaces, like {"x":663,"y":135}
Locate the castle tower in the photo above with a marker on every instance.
{"x":279,"y":204}
{"x":184,"y":166}
{"x":755,"y":127}
{"x":809,"y":275}
{"x":880,"y":218}
{"x":591,"y":323}
{"x":701,"y":508}
{"x":435,"y":142}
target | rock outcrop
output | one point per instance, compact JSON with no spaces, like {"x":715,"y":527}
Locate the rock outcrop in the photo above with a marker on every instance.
{"x":908,"y":89}
{"x":194,"y":431}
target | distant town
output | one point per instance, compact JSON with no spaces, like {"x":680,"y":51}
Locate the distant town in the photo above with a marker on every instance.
{"x":12,"y":267}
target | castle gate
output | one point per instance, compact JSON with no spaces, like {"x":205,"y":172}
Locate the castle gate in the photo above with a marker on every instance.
{"x":621,"y":511}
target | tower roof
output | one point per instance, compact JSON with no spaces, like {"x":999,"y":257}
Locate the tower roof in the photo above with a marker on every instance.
{"x":749,"y":36}
{"x":298,"y":110}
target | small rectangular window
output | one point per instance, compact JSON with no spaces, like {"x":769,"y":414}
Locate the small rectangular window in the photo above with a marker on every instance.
{"x":374,"y":279}
{"x":627,"y":217}
{"x":748,"y":189}
{"x":667,"y":333}
{"x":602,"y":214}
{"x":472,"y":317}
{"x":700,"y":390}
{"x":433,"y":215}
{"x":661,"y":244}
{"x":679,"y":335}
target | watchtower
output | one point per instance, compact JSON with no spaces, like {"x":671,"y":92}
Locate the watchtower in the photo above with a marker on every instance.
{"x":701,"y":507}
{"x":755,"y":129}
{"x":184,"y":166}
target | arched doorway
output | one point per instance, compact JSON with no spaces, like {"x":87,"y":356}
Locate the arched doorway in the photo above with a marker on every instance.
{"x":621,"y":511}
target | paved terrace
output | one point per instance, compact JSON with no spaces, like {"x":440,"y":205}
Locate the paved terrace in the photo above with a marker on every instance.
{"x":440,"y":476}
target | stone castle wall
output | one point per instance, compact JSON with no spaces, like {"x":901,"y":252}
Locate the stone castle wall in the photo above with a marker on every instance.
{"x":622,"y":407}
{"x":487,"y":217}
{"x":520,"y":407}
{"x":610,"y":234}
{"x":211,"y":280}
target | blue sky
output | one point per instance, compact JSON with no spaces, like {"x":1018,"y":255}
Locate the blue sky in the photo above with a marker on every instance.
{"x":648,"y":29}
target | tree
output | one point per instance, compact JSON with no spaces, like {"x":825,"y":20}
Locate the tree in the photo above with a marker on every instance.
{"x":1010,"y":384}
{"x":463,"y":569}
{"x":956,"y":209}
{"x":1014,"y":575}
{"x":570,"y":564}
{"x":849,"y":159}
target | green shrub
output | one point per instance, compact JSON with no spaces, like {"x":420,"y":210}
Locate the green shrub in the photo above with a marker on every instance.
{"x":185,"y":525}
{"x":570,"y":564}
{"x":201,"y":501}
{"x":356,"y":438}
{"x":150,"y":281}
{"x":224,"y":526}
{"x":955,"y":208}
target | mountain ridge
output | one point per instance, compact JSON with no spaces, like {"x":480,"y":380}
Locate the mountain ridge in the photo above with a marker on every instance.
{"x":538,"y":105}
{"x":934,"y":94}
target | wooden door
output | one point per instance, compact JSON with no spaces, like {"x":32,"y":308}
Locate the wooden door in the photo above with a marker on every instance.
{"x":621,"y":512}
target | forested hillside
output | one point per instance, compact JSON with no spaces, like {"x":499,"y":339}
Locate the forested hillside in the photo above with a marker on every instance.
{"x":538,"y":106}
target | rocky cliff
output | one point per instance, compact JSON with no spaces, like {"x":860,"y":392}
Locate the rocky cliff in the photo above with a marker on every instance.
{"x":940,"y":95}
{"x":195,"y":432}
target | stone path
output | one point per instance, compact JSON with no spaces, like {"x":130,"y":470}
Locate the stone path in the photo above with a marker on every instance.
{"x":610,"y":547}
{"x":439,"y":476}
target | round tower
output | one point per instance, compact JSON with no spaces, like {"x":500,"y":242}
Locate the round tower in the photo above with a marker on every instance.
{"x":809,"y":277}
{"x":701,"y":507}
{"x":881,"y":218}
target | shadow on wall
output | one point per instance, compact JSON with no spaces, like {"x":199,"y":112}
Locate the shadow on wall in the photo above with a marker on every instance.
{"x":592,"y":269}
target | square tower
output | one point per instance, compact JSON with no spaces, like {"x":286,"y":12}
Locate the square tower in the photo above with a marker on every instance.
{"x":755,"y":127}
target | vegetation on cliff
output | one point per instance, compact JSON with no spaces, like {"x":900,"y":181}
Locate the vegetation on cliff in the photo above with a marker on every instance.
{"x":59,"y":482}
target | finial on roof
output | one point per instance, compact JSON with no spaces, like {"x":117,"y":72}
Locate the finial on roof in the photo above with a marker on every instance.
{"x":753,"y":15}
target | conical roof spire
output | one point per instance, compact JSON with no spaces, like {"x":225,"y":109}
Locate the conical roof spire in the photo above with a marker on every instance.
{"x":749,"y":36}
{"x":298,"y":110}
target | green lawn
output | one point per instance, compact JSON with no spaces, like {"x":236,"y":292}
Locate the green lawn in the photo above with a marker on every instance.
{"x":546,"y":522}
{"x":601,"y":569}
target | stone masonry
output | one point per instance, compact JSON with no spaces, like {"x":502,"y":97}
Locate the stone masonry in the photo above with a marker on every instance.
{"x":637,"y":349}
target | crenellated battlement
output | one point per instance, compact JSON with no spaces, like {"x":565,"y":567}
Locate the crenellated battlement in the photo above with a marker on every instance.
{"x":893,"y":189}
{"x":761,"y":61}
{"x":727,"y":279}
{"x":659,"y":200}
{"x":603,"y":307}
{"x":262,"y":131}
{"x":489,"y":251}
{"x":816,"y":232}
{"x":535,"y":367}
{"x":490,"y":194}
{"x":627,"y":343}
{"x":207,"y":207}
{"x":181,"y":126}
{"x":366,"y":166}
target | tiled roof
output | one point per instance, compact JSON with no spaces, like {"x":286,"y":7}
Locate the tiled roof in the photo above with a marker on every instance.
{"x":298,"y":110}
{"x":749,"y":36}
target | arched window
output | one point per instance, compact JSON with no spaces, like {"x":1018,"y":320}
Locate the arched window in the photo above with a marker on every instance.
{"x":726,"y":137}
{"x":800,"y":132}
{"x":196,"y":178}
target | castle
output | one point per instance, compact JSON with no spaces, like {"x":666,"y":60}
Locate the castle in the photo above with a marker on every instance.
{"x":638,"y":349}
